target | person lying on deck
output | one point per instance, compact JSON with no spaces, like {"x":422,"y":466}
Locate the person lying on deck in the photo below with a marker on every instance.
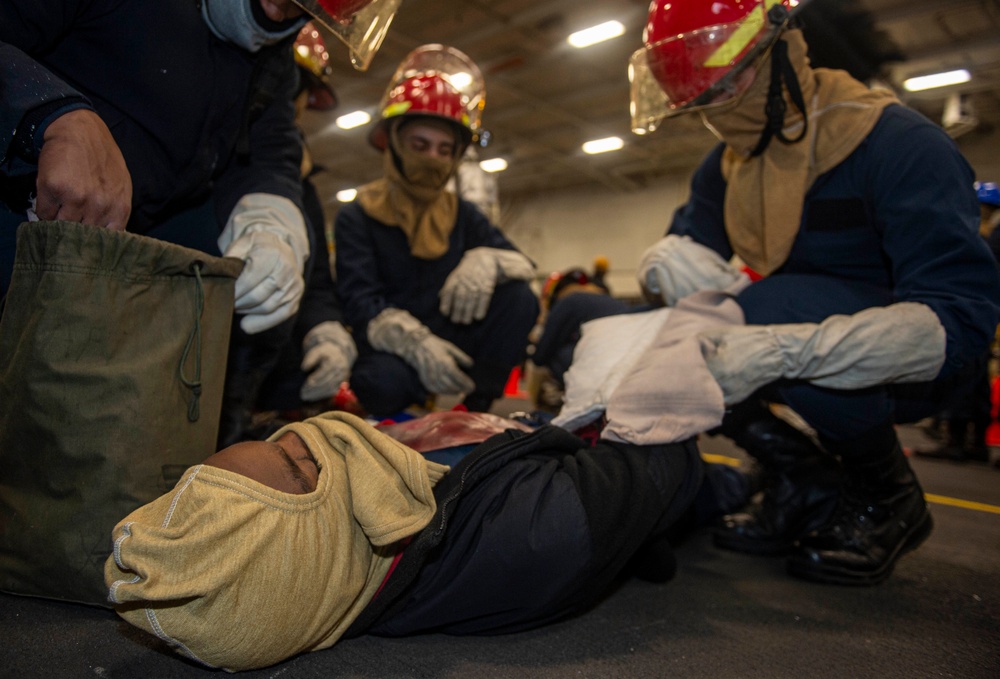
{"x":333,"y":528}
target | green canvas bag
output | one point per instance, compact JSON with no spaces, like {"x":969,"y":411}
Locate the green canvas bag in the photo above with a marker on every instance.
{"x":112,"y":360}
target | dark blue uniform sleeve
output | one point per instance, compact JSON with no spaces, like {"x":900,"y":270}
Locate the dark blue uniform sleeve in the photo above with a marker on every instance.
{"x":702,"y":216}
{"x":361,"y":292}
{"x":27,"y":86}
{"x":375,"y":269}
{"x":925,"y":207}
{"x":173,"y":106}
{"x":275,"y":148}
{"x":33,"y":98}
{"x":319,"y":302}
{"x":922,"y":244}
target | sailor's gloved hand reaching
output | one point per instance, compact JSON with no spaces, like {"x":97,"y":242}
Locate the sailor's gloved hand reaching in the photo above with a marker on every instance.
{"x":438,"y":362}
{"x":465,"y":296}
{"x":676,"y":266}
{"x":329,"y":352}
{"x":267,"y":232}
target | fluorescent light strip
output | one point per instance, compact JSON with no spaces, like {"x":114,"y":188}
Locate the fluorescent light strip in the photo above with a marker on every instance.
{"x":493,"y":165}
{"x":603,"y":145}
{"x":927,"y":82}
{"x":349,"y":121}
{"x":595,"y":34}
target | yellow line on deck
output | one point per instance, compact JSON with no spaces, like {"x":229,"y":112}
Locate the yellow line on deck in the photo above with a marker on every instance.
{"x":964,"y":504}
{"x":712,"y":458}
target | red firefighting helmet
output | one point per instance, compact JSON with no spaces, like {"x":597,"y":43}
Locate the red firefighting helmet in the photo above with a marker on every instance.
{"x":693,"y":52}
{"x":359,"y":24}
{"x":436,"y":81}
{"x":313,"y":59}
{"x":558,"y":281}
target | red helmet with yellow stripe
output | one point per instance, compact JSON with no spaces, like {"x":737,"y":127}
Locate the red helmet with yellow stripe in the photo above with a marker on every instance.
{"x":695,"y":51}
{"x":437,"y":81}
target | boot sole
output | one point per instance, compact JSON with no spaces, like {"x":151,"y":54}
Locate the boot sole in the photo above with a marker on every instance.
{"x":817,"y":572}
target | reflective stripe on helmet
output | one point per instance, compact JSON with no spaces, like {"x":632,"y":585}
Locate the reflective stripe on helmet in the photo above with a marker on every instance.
{"x":741,"y":38}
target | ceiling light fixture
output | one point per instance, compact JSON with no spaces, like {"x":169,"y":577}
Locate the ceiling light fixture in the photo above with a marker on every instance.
{"x":349,"y":121}
{"x":595,"y":34}
{"x":347,"y":195}
{"x":493,"y":165}
{"x":603,"y":145}
{"x":926,"y":82}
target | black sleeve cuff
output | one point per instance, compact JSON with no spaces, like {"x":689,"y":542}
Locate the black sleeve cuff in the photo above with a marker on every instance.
{"x":27,"y":143}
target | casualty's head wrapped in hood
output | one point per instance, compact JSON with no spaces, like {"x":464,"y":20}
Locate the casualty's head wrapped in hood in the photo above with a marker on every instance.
{"x":235,"y":574}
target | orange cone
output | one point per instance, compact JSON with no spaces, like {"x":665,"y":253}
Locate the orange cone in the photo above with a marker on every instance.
{"x":513,"y":387}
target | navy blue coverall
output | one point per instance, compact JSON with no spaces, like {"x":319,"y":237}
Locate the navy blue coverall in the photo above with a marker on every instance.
{"x":376,"y":270}
{"x":896,"y":221}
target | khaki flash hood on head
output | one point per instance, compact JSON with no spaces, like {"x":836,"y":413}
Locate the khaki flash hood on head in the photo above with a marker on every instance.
{"x":766,"y":193}
{"x":237,"y":575}
{"x":415,"y":200}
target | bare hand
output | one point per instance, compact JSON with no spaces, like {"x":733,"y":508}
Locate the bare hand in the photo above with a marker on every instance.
{"x":82,"y":176}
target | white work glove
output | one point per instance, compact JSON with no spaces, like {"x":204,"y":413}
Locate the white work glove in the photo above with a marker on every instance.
{"x":675,"y":266}
{"x":438,"y":362}
{"x":329,"y":353}
{"x":267,"y":232}
{"x":466,"y":293}
{"x":903,"y":342}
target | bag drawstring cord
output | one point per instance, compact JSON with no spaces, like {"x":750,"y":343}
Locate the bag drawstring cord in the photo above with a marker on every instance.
{"x":194,"y":410}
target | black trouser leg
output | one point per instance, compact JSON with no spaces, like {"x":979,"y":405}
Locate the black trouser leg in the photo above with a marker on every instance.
{"x":251,"y":360}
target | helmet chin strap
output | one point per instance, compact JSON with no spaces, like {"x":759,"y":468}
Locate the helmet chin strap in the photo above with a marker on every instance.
{"x":781,"y":71}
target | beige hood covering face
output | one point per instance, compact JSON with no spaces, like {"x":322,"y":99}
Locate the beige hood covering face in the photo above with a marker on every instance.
{"x":766,"y":193}
{"x":417,"y":203}
{"x":236,"y":575}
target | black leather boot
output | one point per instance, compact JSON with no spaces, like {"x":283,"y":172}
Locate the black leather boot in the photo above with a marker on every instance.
{"x":801,"y":486}
{"x":882,"y":515}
